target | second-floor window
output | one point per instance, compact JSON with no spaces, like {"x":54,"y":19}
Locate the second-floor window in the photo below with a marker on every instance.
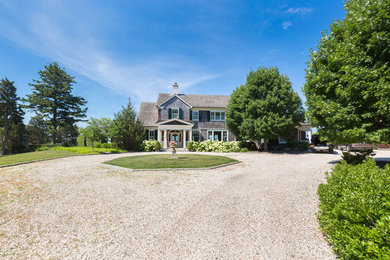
{"x":217,"y":116}
{"x":175,"y":113}
{"x":195,"y":115}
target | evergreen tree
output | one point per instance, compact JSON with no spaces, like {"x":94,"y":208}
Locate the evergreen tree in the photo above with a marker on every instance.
{"x":11,"y":115}
{"x":52,"y":98}
{"x":266,"y":107}
{"x":127,"y":131}
{"x":37,"y":131}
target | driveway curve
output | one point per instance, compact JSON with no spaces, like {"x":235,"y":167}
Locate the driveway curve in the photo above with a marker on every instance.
{"x":77,"y":207}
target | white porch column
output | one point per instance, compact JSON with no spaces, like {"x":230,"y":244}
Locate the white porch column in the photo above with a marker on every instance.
{"x":184,"y":138}
{"x":165,"y":139}
{"x":310,"y":135}
{"x":190,"y":135}
{"x":159,"y":135}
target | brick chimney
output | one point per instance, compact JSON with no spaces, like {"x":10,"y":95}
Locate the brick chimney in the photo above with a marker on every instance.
{"x":175,"y":89}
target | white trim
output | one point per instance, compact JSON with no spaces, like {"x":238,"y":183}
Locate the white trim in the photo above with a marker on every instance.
{"x":161,"y":124}
{"x":175,"y":95}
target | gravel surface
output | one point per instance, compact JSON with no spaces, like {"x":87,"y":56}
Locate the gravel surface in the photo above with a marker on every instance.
{"x":77,"y":207}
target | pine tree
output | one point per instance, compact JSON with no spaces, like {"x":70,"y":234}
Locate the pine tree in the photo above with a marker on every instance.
{"x":52,"y":98}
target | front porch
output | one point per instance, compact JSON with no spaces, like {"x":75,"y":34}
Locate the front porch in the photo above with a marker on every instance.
{"x":176,"y":130}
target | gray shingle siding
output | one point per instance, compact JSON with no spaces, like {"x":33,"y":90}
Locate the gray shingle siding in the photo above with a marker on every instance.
{"x":174,"y":103}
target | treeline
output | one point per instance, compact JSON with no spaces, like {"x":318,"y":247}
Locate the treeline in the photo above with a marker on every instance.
{"x":57,"y":111}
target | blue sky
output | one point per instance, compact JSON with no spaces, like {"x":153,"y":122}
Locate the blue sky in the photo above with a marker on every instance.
{"x":135,"y":49}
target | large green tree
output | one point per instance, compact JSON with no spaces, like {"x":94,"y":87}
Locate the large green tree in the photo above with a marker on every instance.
{"x":93,"y":131}
{"x":11,"y":115}
{"x":37,"y":131}
{"x":52,"y":98}
{"x":266,"y":107}
{"x":348,"y":77}
{"x":127,"y":131}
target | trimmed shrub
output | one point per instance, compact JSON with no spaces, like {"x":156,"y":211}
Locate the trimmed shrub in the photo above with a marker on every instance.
{"x":151,"y":145}
{"x":358,"y":157}
{"x":355,"y":210}
{"x":214,"y":146}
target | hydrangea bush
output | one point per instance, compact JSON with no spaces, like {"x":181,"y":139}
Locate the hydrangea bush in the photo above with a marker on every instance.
{"x":215,"y":146}
{"x":151,"y":145}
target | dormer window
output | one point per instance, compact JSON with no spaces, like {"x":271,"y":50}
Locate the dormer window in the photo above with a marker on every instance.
{"x":175,"y":113}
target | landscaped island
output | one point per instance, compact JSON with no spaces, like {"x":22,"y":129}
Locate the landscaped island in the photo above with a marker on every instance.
{"x":164,"y":162}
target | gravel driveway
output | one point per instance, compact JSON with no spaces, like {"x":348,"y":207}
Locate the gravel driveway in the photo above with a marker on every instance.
{"x":77,"y":207}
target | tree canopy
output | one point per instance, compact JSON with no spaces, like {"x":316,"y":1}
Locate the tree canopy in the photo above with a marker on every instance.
{"x":52,"y":98}
{"x":348,"y":77}
{"x":266,"y":107}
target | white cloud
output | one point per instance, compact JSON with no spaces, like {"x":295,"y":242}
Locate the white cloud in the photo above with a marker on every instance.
{"x":67,"y":36}
{"x":299,"y":10}
{"x":286,"y":25}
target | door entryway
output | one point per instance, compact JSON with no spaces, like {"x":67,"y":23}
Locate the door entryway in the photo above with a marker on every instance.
{"x":177,"y":137}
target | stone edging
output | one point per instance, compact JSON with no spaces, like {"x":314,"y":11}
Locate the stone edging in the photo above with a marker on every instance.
{"x":181,"y":169}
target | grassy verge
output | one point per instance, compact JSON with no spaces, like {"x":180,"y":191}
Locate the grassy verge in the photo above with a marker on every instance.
{"x":164,"y":161}
{"x":53,"y":152}
{"x":87,"y":150}
{"x":33,"y":156}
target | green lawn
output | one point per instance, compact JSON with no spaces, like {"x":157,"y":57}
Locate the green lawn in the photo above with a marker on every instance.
{"x":53,"y":152}
{"x":87,"y":150}
{"x":33,"y":156}
{"x":163,"y":161}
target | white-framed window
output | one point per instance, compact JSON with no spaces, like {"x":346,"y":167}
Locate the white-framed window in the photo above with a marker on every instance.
{"x":151,"y":135}
{"x":217,"y":116}
{"x":217,"y":135}
{"x":195,"y":115}
{"x":175,"y":113}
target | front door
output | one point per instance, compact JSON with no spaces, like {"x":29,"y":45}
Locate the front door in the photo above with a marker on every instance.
{"x":176,"y":136}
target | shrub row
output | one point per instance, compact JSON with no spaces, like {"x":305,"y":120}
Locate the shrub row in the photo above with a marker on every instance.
{"x":215,"y":146}
{"x":355,"y":210}
{"x":151,"y":145}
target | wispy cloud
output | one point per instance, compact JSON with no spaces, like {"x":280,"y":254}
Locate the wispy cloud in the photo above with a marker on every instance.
{"x":286,"y":25}
{"x":299,"y":10}
{"x":62,"y":34}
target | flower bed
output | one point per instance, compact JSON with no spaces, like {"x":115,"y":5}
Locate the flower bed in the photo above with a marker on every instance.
{"x":215,"y":146}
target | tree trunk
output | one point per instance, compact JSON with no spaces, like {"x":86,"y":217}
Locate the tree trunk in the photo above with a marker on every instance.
{"x":5,"y":135}
{"x":265,"y":145}
{"x":256,"y":142}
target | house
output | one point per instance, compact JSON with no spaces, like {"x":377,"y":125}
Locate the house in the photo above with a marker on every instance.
{"x":184,"y":118}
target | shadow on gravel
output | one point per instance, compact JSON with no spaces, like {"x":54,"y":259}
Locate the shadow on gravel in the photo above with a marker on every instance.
{"x":381,"y":162}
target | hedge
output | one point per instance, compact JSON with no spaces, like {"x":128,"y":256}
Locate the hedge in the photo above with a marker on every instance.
{"x":355,"y":210}
{"x":215,"y":146}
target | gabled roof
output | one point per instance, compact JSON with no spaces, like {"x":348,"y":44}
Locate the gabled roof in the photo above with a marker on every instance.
{"x":172,"y":96}
{"x":148,"y":113}
{"x":175,"y":121}
{"x":204,"y":101}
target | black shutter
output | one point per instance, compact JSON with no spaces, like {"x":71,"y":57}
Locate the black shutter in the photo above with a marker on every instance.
{"x":208,"y":115}
{"x":169,"y":113}
{"x":190,"y":114}
{"x":180,"y":113}
{"x":147,"y":134}
{"x":155,"y":134}
{"x":200,"y":115}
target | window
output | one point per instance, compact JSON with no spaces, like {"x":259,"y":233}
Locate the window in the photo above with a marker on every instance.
{"x":175,"y":113}
{"x":217,"y":116}
{"x":195,"y":115}
{"x":217,"y":135}
{"x":195,"y":136}
{"x":151,"y":135}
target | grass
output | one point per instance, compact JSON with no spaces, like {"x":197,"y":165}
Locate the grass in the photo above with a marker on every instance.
{"x":164,"y":162}
{"x":33,"y":156}
{"x":53,"y":152}
{"x":87,"y":150}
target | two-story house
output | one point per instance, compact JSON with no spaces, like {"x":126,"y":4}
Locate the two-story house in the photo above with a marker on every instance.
{"x":184,"y":118}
